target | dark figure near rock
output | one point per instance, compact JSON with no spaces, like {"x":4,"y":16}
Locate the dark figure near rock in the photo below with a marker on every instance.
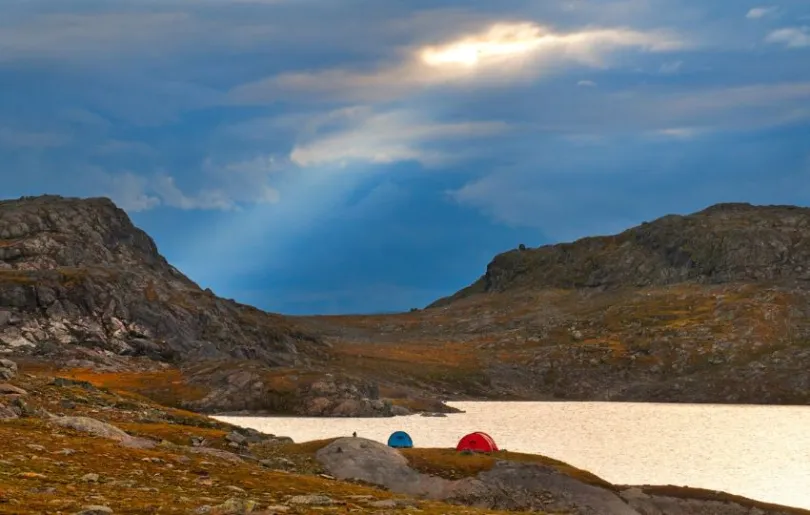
{"x":354,"y":434}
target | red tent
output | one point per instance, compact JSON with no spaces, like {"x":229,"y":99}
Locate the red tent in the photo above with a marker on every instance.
{"x":477,"y":442}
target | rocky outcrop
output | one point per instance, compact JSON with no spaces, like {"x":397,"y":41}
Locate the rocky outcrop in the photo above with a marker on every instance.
{"x":78,"y":280}
{"x":82,"y":287}
{"x":103,"y":430}
{"x":511,"y":486}
{"x":520,"y":486}
{"x":8,"y":369}
{"x":652,"y":314}
{"x":722,"y":244}
{"x":247,"y":390}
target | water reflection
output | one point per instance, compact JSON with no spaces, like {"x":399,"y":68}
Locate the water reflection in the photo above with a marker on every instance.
{"x":761,"y":452}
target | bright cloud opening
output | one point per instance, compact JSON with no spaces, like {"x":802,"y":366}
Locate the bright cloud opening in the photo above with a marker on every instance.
{"x":503,"y":51}
{"x":504,"y":40}
{"x":501,"y":40}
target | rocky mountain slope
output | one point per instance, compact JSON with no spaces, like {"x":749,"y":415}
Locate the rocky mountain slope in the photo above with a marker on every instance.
{"x":723,"y":244}
{"x":83,"y":288}
{"x":77,"y":274}
{"x":710,"y":307}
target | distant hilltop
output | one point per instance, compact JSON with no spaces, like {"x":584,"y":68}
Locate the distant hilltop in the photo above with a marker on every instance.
{"x":721,"y":244}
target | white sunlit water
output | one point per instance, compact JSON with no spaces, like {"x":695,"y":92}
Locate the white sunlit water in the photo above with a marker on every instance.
{"x":760,"y":452}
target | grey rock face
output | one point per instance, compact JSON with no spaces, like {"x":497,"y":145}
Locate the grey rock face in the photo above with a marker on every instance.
{"x":514,"y":486}
{"x":78,"y":280}
{"x":721,"y":244}
{"x":367,"y":460}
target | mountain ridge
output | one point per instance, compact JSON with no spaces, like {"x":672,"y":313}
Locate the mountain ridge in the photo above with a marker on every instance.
{"x":85,"y":292}
{"x":720,"y":244}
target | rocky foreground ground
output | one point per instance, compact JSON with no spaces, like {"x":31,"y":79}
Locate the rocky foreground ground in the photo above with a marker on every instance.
{"x":71,"y":447}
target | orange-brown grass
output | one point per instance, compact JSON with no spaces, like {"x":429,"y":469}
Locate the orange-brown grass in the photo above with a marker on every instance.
{"x":288,"y":379}
{"x":306,"y":448}
{"x":167,"y":387}
{"x":683,"y":492}
{"x":431,"y":353}
{"x":136,"y":481}
{"x":398,"y":320}
{"x":416,"y":364}
{"x":302,"y":455}
{"x":174,"y":433}
{"x":105,"y":404}
{"x":450,"y":464}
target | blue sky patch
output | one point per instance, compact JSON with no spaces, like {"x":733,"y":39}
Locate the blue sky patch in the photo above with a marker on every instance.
{"x":317,"y":156}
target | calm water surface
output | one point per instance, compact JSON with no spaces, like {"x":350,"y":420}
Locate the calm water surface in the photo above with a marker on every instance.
{"x":761,"y":452}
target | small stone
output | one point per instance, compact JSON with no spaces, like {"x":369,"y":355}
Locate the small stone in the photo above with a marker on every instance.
{"x":276,"y":509}
{"x":234,"y":507}
{"x":8,"y":389}
{"x":8,"y":369}
{"x":90,"y":478}
{"x":236,"y":489}
{"x":311,"y":500}
{"x":32,"y":475}
{"x":235,"y":437}
{"x":386,"y":503}
{"x":7,"y":413}
{"x":95,"y":510}
{"x":21,"y":407}
{"x":277,"y":462}
{"x":35,"y":447}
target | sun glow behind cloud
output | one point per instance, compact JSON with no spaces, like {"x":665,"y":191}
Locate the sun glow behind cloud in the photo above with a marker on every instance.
{"x":500,"y":53}
{"x":503,"y":41}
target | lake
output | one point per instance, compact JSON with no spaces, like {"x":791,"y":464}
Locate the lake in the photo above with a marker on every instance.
{"x":761,"y":452}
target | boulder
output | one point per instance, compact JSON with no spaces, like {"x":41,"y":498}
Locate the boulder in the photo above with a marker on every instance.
{"x":8,"y":369}
{"x":103,"y":430}
{"x":366,"y":460}
{"x":8,"y":413}
{"x":95,"y":510}
{"x":8,"y":389}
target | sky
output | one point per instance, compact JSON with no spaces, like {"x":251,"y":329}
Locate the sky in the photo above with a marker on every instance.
{"x":363,"y":156}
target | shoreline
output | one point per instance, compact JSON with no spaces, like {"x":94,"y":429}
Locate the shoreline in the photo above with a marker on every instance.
{"x":54,"y":432}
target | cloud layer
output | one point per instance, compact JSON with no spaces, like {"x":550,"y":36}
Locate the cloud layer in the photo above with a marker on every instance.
{"x":497,"y":54}
{"x":361,"y":155}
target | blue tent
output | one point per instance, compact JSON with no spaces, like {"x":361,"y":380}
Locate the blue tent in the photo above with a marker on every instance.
{"x":400,"y":439}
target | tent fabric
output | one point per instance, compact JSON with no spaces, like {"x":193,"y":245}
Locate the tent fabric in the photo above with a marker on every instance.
{"x":491,"y":440}
{"x":400,"y":439}
{"x":477,"y":442}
